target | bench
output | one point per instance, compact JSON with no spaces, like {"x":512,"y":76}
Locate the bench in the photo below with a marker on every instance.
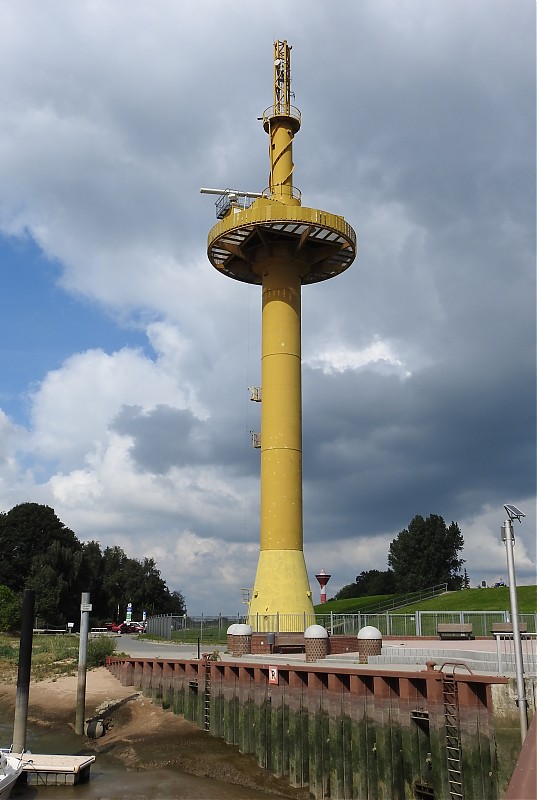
{"x":455,"y":630}
{"x":49,"y":631}
{"x":507,"y":628}
{"x":289,"y":644}
{"x":288,"y":648}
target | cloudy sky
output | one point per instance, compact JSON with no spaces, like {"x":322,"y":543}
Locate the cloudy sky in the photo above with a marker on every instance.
{"x":125,"y":357}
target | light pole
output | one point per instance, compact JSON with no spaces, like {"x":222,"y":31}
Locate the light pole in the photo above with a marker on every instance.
{"x":508,"y":537}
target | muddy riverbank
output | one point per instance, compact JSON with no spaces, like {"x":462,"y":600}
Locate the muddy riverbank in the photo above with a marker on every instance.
{"x":146,"y":752}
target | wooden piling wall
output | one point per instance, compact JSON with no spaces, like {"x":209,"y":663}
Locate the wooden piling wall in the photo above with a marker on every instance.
{"x":345,"y":733}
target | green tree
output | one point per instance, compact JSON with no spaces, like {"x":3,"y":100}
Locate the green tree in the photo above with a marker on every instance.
{"x":54,"y":575}
{"x":368,"y":583}
{"x":113,"y":582}
{"x":426,"y":554}
{"x":129,"y":580}
{"x":10,"y":610}
{"x":176,"y":604}
{"x":90,"y":579}
{"x":40,"y":552}
{"x":28,"y":530}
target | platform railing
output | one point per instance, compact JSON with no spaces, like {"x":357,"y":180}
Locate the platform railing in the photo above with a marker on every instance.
{"x":505,"y":652}
{"x":418,"y":623}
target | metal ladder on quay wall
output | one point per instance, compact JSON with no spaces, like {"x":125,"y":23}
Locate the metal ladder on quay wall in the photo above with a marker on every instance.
{"x":207,"y":695}
{"x":453,"y":740}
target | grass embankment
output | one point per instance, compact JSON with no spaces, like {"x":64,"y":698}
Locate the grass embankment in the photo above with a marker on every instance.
{"x":52,"y":656}
{"x":494,"y":599}
{"x":353,"y":605}
{"x":207,"y":635}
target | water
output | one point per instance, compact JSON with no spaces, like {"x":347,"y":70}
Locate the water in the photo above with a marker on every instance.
{"x":111,"y":779}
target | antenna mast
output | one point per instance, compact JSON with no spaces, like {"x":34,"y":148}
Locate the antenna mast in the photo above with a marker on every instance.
{"x":282,"y":78}
{"x":281,"y":121}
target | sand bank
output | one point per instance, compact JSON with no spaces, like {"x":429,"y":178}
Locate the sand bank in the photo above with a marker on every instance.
{"x":143,"y":736}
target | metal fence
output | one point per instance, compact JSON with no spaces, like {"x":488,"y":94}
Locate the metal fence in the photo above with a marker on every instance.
{"x":505,"y":653}
{"x":187,"y":628}
{"x":419,"y":623}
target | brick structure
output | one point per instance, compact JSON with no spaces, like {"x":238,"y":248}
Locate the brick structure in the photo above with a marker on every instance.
{"x":369,"y":643}
{"x":241,"y":640}
{"x":316,"y":642}
{"x":229,"y":637}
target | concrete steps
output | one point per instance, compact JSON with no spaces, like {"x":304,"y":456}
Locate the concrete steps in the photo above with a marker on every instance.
{"x":476,"y":660}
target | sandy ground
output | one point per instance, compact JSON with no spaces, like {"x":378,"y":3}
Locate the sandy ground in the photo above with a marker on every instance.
{"x":142,"y":735}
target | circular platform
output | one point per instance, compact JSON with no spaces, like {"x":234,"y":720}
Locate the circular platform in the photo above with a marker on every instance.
{"x":323,"y":242}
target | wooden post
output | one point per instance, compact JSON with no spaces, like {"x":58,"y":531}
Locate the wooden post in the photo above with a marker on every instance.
{"x":23,"y":675}
{"x":85,"y":608}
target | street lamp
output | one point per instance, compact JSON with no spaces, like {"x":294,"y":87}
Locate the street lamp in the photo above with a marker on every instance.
{"x":508,"y":537}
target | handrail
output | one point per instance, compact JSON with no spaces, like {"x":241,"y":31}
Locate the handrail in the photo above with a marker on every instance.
{"x":454,"y":664}
{"x":405,"y":600}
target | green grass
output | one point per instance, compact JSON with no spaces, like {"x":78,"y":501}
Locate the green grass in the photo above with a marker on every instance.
{"x":351,"y":606}
{"x":207,"y":635}
{"x":496,"y":599}
{"x":52,"y":656}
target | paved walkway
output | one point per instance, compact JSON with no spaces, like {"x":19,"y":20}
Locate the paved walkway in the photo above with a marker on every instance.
{"x":405,"y":653}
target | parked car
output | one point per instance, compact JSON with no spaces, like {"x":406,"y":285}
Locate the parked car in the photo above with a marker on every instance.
{"x":125,"y":627}
{"x":131,"y":627}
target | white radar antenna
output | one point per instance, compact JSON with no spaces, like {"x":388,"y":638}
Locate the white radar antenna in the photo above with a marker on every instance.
{"x":231,"y":199}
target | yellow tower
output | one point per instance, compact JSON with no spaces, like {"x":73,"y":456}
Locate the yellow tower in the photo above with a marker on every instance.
{"x":277,"y":243}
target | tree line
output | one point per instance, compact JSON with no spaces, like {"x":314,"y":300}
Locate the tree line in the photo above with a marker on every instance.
{"x":39,"y":552}
{"x":421,"y":556}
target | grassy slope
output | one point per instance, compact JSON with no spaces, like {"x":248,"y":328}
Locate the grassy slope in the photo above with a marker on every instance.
{"x":353,"y":605}
{"x":466,"y":600}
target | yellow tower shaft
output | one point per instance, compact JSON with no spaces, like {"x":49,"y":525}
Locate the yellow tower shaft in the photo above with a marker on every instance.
{"x":281,"y":414}
{"x":279,"y":244}
{"x":281,"y":581}
{"x":282,"y":167}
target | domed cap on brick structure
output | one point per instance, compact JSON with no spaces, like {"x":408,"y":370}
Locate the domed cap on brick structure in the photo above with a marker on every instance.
{"x":241,"y":630}
{"x":315,"y":632}
{"x":369,"y":632}
{"x":231,"y":630}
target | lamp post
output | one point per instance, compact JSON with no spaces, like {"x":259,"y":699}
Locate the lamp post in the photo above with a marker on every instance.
{"x":508,"y":537}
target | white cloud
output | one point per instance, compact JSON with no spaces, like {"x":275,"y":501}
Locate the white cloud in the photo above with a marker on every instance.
{"x":339,"y":359}
{"x":485,"y":552}
{"x":420,"y":135}
{"x":74,"y":405}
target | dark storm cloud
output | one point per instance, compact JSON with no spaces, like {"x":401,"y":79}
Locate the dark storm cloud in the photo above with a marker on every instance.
{"x":162,"y":437}
{"x":166,"y":437}
{"x":419,"y":127}
{"x":447,"y":441}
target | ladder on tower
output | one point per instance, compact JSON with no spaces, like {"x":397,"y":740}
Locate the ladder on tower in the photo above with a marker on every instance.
{"x":453,"y":739}
{"x":207,"y":694}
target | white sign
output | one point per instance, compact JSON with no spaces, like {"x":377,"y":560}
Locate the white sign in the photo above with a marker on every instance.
{"x":273,"y":675}
{"x":86,"y":607}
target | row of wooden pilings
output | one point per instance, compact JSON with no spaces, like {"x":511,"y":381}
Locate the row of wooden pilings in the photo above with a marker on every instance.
{"x":345,"y":733}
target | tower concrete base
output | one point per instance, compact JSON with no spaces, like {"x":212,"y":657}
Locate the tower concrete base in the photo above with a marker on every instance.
{"x":281,"y":598}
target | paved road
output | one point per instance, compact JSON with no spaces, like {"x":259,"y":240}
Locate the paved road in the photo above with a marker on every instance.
{"x":143,"y":648}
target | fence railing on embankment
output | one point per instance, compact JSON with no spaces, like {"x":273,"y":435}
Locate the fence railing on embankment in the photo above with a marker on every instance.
{"x":209,"y":629}
{"x":408,"y":599}
{"x":420,"y":623}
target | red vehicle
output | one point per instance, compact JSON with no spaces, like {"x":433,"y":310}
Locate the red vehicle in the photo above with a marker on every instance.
{"x":124,"y":627}
{"x":131,"y":627}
